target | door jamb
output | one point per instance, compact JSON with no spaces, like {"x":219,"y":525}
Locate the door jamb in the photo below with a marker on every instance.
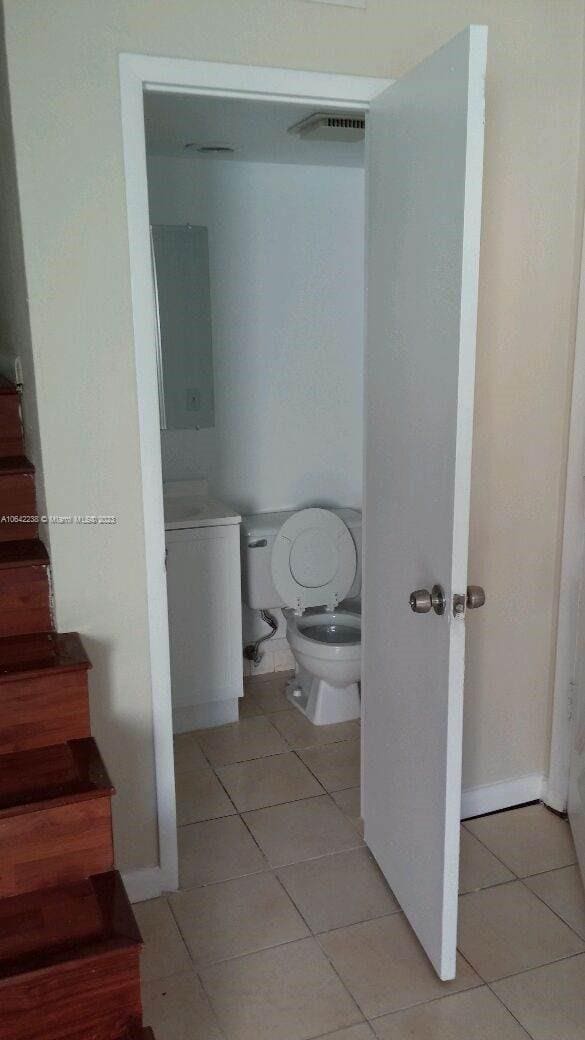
{"x":178,"y":75}
{"x":570,"y":591}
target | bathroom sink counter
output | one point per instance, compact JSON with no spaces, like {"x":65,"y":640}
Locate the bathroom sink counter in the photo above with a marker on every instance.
{"x":187,"y":504}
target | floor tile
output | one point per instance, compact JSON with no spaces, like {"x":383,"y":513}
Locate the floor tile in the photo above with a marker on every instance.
{"x":550,"y":1001}
{"x":248,"y":706}
{"x":268,"y":781}
{"x":338,"y":890}
{"x":216,"y":851}
{"x":336,"y":766}
{"x":301,"y":830}
{"x":361,"y":1032}
{"x":475,"y":1015}
{"x":164,"y":951}
{"x":563,"y":891}
{"x":241,"y":741}
{"x":350,"y":804}
{"x":300,"y":733}
{"x":287,"y":993}
{"x":478,"y":867}
{"x":268,"y":691}
{"x":384,"y":967}
{"x":507,"y":929}
{"x":528,"y":840}
{"x":178,"y":1009}
{"x":188,"y":754}
{"x":236,"y":917}
{"x":200,"y":796}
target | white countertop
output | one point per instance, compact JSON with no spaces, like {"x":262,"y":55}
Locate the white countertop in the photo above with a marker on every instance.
{"x":187,"y":503}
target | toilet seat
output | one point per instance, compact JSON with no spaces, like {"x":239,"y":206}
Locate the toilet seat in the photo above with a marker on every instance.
{"x":313,"y":560}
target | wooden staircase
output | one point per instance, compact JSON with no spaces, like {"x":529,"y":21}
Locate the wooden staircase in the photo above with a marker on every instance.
{"x":69,"y":944}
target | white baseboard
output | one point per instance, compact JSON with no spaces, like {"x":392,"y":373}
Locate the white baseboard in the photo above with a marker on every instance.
{"x":475,"y":801}
{"x":142,"y":884}
{"x":553,"y":797}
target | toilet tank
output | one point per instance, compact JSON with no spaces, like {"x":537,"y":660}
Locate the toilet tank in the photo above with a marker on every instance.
{"x":258,"y":533}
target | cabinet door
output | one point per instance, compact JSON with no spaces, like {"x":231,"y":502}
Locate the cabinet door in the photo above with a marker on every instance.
{"x":205,"y":615}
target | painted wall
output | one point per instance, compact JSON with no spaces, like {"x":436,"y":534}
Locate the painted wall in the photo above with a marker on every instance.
{"x":286,"y":263}
{"x":63,"y":71}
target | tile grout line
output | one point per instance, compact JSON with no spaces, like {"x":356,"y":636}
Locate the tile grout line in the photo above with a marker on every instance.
{"x":551,"y":908}
{"x":509,"y":1010}
{"x":483,"y":844}
{"x":535,"y":967}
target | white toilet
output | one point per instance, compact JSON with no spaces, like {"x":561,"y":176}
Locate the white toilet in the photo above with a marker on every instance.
{"x":309,"y":563}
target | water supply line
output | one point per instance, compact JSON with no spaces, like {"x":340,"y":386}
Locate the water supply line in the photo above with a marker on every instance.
{"x":252,"y":651}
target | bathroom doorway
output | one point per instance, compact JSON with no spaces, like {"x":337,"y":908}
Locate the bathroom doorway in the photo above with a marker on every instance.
{"x":424,"y":200}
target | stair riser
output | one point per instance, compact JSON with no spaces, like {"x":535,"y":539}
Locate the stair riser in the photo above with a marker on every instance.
{"x":97,"y":998}
{"x":42,"y":710}
{"x":24,"y":600}
{"x":17,"y":498}
{"x":11,"y":442}
{"x":55,"y":845}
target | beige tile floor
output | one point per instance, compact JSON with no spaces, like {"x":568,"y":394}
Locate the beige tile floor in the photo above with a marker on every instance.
{"x":284,"y":928}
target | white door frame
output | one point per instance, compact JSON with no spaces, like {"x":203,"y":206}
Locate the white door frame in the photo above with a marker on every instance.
{"x":557,"y":787}
{"x":138,"y":73}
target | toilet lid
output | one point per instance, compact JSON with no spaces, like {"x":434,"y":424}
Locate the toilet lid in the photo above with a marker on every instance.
{"x":313,"y":559}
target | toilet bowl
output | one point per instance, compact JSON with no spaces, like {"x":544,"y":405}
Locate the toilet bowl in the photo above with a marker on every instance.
{"x":327,"y":649}
{"x":308,"y":563}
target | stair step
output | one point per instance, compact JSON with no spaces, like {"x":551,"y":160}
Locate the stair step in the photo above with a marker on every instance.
{"x":55,"y":816}
{"x":43,"y":690}
{"x":69,"y":963}
{"x":11,"y":440}
{"x":30,"y":656}
{"x":24,"y":552}
{"x":15,"y":464}
{"x":17,"y":499}
{"x":24,"y":588}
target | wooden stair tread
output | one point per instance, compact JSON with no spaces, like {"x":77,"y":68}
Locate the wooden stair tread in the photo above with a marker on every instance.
{"x":85,"y":918}
{"x":23,"y":553}
{"x":6,"y":387}
{"x":39,"y":653}
{"x":51,"y":776}
{"x":15,"y":464}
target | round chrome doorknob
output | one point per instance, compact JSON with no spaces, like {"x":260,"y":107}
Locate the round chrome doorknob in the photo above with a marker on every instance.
{"x":421,"y":601}
{"x":475,"y":596}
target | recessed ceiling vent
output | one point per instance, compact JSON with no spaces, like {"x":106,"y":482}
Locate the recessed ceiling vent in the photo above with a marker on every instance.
{"x":331,"y":126}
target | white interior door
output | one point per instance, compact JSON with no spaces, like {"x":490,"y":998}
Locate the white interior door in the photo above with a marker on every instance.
{"x":577,"y":766}
{"x":425,"y":158}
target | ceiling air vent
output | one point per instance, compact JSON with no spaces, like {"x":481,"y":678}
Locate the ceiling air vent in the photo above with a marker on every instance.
{"x":331,"y":126}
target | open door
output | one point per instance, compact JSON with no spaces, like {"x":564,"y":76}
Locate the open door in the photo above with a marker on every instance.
{"x":424,"y":169}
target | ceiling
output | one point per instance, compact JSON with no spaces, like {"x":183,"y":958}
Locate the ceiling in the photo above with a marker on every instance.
{"x":257,"y":130}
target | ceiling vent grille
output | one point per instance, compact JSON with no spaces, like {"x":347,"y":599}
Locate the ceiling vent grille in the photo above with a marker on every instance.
{"x":331,"y":126}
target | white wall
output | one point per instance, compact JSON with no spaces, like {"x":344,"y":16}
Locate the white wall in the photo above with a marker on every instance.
{"x":286,"y":261}
{"x":65,"y":94}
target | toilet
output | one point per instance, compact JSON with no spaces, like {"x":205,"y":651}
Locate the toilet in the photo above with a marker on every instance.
{"x":308,"y":563}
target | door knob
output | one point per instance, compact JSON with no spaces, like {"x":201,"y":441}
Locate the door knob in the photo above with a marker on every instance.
{"x":422,"y":601}
{"x":475,"y":596}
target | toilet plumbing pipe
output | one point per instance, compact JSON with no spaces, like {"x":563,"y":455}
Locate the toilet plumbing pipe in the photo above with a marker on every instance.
{"x":252,"y":650}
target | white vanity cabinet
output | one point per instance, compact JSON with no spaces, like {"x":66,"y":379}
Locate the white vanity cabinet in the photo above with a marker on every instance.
{"x":205,"y":623}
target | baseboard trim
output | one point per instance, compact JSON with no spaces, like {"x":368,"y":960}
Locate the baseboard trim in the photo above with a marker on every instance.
{"x":486,"y":798}
{"x":142,"y":884}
